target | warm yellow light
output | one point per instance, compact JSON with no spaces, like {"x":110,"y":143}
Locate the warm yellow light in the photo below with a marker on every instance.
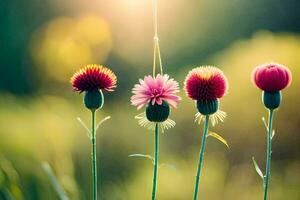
{"x":66,"y":43}
{"x":136,"y":3}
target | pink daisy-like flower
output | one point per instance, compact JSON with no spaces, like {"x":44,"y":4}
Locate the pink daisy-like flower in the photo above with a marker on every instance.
{"x":271,"y":77}
{"x":206,"y":83}
{"x":155,"y":90}
{"x":94,"y":77}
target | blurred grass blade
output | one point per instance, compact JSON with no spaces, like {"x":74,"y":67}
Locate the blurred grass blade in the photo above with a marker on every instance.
{"x":51,"y":176}
{"x":141,"y":156}
{"x":7,"y":195}
{"x":257,"y":169}
{"x":218,"y":137}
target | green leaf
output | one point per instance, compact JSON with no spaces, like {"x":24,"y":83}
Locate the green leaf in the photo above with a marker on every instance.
{"x":102,"y":121}
{"x":218,"y":137}
{"x":88,"y":131}
{"x":2,"y":178}
{"x":7,"y":194}
{"x":273,"y":133}
{"x":265,"y":123}
{"x":257,"y":169}
{"x":141,"y":156}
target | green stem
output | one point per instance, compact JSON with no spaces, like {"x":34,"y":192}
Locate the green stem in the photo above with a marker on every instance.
{"x":155,"y":164}
{"x":94,"y":156}
{"x":205,"y":130}
{"x":269,"y":152}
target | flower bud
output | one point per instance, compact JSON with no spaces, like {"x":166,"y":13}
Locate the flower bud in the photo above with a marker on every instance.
{"x":93,"y":99}
{"x":207,"y":107}
{"x":272,"y":100}
{"x":157,"y":113}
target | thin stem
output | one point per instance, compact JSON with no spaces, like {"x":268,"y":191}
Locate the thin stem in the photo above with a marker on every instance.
{"x":154,"y":8}
{"x":201,"y":154}
{"x":94,"y":156}
{"x":156,"y":50}
{"x":155,"y":164}
{"x":269,"y":152}
{"x":154,"y":59}
{"x":53,"y":179}
{"x":159,"y":58}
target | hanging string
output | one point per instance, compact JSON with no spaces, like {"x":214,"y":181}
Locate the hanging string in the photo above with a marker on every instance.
{"x":156,"y":48}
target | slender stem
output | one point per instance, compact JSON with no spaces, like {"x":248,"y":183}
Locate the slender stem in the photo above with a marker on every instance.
{"x":269,"y":152}
{"x":156,"y":50}
{"x":154,"y":10}
{"x":205,"y":130}
{"x":159,"y":58}
{"x":155,"y":164}
{"x":94,"y":156}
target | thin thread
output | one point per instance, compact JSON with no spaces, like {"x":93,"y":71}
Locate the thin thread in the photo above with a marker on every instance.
{"x":159,"y":58}
{"x":154,"y":59}
{"x":156,"y":50}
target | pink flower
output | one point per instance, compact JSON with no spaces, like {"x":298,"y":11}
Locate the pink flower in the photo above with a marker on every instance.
{"x":94,"y":77}
{"x":206,"y":83}
{"x":155,"y":90}
{"x":271,"y":77}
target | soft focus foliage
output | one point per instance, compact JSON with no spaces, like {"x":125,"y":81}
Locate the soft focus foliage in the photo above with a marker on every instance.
{"x":43,"y":44}
{"x":65,"y":43}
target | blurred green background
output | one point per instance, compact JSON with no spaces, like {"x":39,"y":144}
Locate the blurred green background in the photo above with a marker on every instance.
{"x":43,"y":42}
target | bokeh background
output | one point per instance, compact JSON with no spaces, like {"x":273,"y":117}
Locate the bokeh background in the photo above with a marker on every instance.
{"x":43,"y":42}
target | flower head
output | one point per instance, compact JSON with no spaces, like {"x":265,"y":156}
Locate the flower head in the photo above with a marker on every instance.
{"x":206,"y":83}
{"x":155,"y":90}
{"x":94,"y":77}
{"x":271,"y":77}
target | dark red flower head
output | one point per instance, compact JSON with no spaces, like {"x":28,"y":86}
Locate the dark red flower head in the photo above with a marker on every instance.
{"x":271,"y":77}
{"x":206,"y":83}
{"x":94,"y":77}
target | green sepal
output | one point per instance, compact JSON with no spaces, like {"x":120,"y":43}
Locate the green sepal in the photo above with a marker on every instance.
{"x":157,"y":113}
{"x":272,"y":100}
{"x":93,"y":99}
{"x":207,"y":107}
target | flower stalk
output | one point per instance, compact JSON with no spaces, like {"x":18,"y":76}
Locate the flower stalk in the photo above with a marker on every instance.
{"x":93,"y":79}
{"x":155,"y":161}
{"x":206,"y":85}
{"x":269,"y":152}
{"x":201,"y":155}
{"x":94,"y":155}
{"x":271,"y":78}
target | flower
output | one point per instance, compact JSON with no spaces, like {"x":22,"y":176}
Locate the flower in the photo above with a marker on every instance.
{"x":155,"y":90}
{"x":271,"y":77}
{"x":206,"y":83}
{"x":94,"y":77}
{"x":157,"y":94}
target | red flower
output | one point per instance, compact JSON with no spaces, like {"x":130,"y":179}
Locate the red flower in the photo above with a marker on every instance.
{"x":94,"y":77}
{"x":206,"y":83}
{"x":271,"y":77}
